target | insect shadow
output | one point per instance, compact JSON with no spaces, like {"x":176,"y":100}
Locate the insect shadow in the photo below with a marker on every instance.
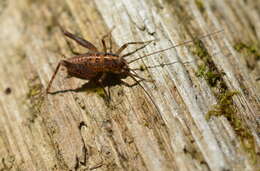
{"x":109,"y":81}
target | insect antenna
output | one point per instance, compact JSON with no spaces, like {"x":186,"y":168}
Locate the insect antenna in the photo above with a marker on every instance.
{"x":150,"y":97}
{"x":180,"y":44}
{"x":159,"y":65}
{"x":134,"y":75}
{"x":137,"y":76}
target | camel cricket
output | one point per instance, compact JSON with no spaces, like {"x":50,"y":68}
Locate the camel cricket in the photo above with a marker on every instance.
{"x":95,"y":65}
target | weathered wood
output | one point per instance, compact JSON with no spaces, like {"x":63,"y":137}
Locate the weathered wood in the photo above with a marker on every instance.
{"x":207,"y":111}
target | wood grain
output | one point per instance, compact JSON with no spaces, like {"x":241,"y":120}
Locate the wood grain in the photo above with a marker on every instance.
{"x":205,"y":114}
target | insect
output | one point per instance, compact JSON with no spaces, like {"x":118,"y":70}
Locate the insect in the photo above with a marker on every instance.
{"x":96,"y":64}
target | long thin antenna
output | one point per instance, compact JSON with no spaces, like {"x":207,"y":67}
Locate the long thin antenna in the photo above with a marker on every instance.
{"x":157,"y":108}
{"x":159,"y":65}
{"x":182,"y":43}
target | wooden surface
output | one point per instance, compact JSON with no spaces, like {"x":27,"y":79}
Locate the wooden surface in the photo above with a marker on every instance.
{"x":206,"y":115}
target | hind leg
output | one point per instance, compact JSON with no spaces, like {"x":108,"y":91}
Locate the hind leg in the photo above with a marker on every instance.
{"x":110,"y":40}
{"x":100,"y":81}
{"x":124,"y":46}
{"x":52,"y":78}
{"x":80,"y":40}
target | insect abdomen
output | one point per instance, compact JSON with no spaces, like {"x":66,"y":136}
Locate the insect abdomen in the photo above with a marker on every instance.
{"x":89,"y":65}
{"x":79,"y":70}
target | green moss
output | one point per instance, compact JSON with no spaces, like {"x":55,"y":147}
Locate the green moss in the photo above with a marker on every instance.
{"x":35,"y":97}
{"x":250,"y":49}
{"x":200,"y":50}
{"x":99,"y":91}
{"x":49,"y":27}
{"x":142,"y":68}
{"x":3,"y":5}
{"x":200,"y":5}
{"x":34,"y":90}
{"x":212,"y":77}
{"x":208,"y":71}
{"x":225,"y":106}
{"x":251,"y":52}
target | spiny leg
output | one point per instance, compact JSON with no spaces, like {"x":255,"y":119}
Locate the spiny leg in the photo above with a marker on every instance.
{"x":52,"y":78}
{"x":136,"y":50}
{"x":104,"y":46}
{"x":100,"y":81}
{"x":124,"y":46}
{"x":80,"y":40}
{"x":130,"y":85}
{"x":111,"y":44}
{"x":110,"y":40}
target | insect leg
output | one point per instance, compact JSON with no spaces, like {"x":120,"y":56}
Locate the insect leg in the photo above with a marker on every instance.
{"x":71,"y":49}
{"x":137,"y":76}
{"x":124,"y":46}
{"x":130,"y":85}
{"x":53,"y":76}
{"x":80,"y":40}
{"x":146,"y":92}
{"x":111,"y":44}
{"x":100,"y":81}
{"x":136,"y":50}
{"x":110,"y":40}
{"x":104,"y":45}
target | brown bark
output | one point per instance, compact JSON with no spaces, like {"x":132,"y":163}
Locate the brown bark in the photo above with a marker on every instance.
{"x":206,"y":115}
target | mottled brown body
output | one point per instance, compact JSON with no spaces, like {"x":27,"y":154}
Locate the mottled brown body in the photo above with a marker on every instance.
{"x":89,"y":65}
{"x":94,"y":63}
